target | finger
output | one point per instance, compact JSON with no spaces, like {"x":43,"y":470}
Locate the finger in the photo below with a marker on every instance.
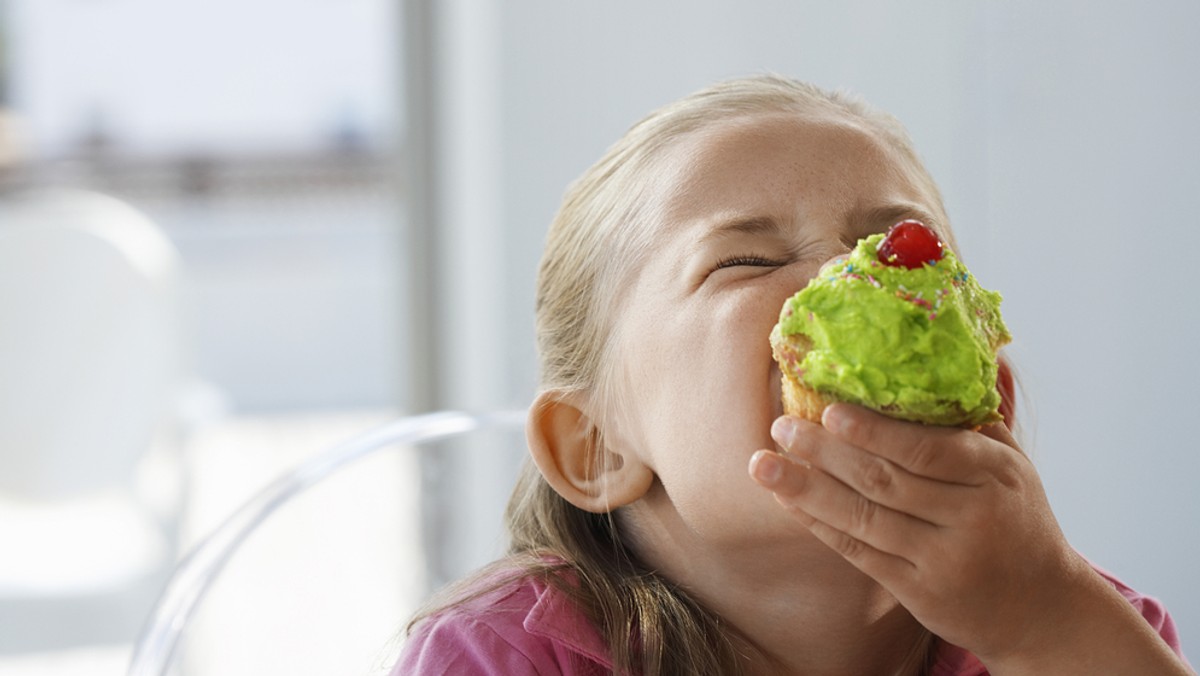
{"x":876,"y":478}
{"x":943,"y":453}
{"x":890,"y":571}
{"x":808,"y":490}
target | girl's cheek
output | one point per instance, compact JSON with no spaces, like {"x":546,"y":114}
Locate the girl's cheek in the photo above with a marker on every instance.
{"x":797,"y":276}
{"x":745,"y":308}
{"x":762,"y":302}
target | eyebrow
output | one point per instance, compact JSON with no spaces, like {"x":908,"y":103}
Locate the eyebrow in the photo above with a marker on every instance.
{"x":880,"y":216}
{"x":891,"y":213}
{"x":743,"y":225}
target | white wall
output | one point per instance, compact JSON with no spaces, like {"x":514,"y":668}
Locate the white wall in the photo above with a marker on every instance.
{"x":1063,"y":137}
{"x":1093,"y":164}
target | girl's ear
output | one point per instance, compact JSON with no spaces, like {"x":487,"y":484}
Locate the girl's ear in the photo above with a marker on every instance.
{"x":579,"y":465}
{"x":1006,"y":385}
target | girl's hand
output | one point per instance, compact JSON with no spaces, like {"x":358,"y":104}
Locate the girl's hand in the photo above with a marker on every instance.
{"x":956,"y":525}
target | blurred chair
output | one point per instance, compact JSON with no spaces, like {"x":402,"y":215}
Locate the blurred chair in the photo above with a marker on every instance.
{"x":156,"y":650}
{"x":90,"y":379}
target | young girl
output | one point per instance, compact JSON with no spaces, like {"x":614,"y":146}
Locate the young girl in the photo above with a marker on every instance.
{"x":650,"y":532}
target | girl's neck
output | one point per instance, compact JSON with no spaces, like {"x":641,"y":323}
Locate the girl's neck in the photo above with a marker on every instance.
{"x":809,"y":621}
{"x":799,"y":608}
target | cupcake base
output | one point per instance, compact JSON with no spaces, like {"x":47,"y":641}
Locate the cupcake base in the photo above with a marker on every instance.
{"x":801,"y":401}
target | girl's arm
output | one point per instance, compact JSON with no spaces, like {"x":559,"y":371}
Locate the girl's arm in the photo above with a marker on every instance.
{"x":1100,"y":632}
{"x":956,"y":525}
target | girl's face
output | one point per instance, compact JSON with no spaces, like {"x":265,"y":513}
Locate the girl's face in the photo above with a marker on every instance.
{"x":744,"y":214}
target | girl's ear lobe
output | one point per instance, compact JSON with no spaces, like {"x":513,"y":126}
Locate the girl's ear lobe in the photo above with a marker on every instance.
{"x":568,"y":450}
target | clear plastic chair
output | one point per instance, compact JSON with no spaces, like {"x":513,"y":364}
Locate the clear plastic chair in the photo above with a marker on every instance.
{"x":155,"y":651}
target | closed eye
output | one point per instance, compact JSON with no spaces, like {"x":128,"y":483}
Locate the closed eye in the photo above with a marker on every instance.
{"x":751,"y":261}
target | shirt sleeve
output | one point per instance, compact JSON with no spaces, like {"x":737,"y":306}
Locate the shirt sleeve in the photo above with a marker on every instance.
{"x":453,"y":644}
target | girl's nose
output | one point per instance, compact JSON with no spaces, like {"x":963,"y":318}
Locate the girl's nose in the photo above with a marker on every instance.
{"x":832,"y":262}
{"x":802,"y":272}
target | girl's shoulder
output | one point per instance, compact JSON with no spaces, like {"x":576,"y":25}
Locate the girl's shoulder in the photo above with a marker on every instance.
{"x":506,"y":621}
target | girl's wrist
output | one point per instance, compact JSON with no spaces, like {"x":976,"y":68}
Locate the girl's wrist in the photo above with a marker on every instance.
{"x":1086,"y":627}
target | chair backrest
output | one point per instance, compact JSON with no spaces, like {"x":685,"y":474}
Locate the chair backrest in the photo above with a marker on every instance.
{"x":154,"y":653}
{"x":89,"y":354}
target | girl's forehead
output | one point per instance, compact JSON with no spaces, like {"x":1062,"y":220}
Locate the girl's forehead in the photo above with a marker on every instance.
{"x":779,"y":163}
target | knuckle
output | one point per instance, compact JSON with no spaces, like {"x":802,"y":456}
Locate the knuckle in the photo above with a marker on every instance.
{"x":863,"y":515}
{"x":1010,"y":472}
{"x":877,"y":478}
{"x":848,"y":546}
{"x":922,"y":455}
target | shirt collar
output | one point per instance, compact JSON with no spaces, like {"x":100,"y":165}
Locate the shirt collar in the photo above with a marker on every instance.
{"x":951,"y":660}
{"x":554,"y":616}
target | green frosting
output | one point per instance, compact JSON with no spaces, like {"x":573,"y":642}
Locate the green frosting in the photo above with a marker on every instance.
{"x":916,"y":344}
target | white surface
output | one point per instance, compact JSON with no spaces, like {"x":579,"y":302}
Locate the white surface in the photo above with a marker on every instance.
{"x":89,"y":371}
{"x":105,"y":660}
{"x":323,"y":588}
{"x":90,"y":362}
{"x":43,"y":544}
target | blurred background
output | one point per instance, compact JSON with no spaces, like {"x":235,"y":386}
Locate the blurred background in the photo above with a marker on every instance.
{"x":233,"y":234}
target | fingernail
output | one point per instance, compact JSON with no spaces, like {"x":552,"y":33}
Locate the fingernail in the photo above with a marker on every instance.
{"x":766,"y":467}
{"x":783,"y":431}
{"x":833,"y":418}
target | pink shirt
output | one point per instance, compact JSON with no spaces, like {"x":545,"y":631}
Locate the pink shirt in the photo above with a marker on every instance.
{"x":527,"y":627}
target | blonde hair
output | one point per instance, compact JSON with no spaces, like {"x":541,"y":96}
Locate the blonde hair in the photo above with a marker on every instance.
{"x":599,"y":236}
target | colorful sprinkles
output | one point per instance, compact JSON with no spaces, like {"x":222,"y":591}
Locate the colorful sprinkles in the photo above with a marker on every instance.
{"x":932,"y":307}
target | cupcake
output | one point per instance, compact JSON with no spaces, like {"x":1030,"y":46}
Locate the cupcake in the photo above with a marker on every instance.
{"x":899,"y":326}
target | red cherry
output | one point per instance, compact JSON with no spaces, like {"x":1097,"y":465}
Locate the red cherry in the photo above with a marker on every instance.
{"x":910,"y":244}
